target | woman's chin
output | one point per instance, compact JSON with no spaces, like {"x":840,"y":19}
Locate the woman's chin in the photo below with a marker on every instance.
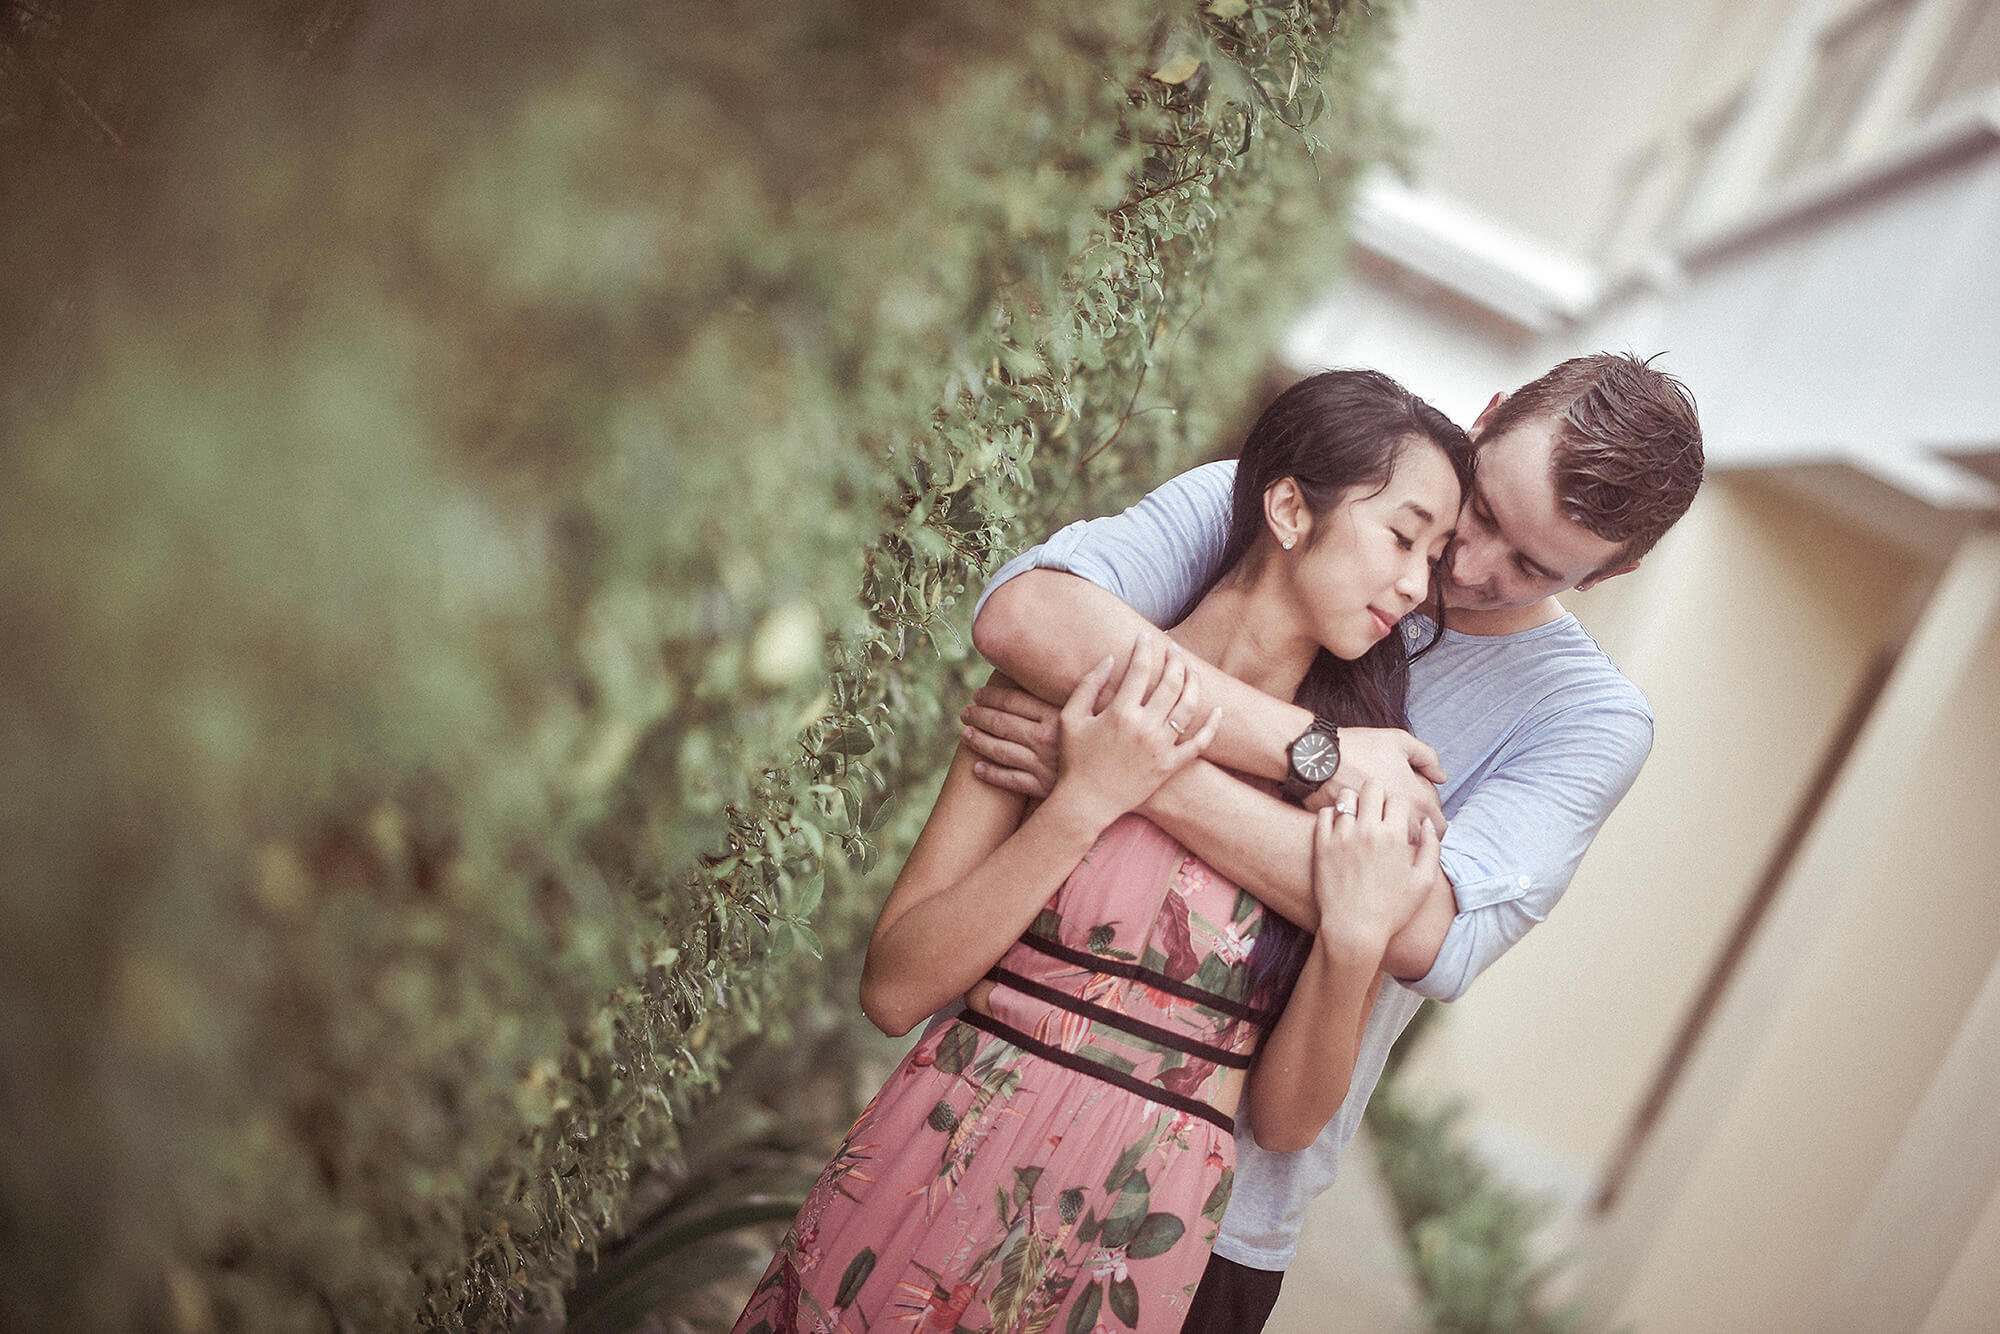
{"x":1347,"y":650}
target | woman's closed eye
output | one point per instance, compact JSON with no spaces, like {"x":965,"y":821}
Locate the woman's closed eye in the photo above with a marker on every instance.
{"x":1404,"y":542}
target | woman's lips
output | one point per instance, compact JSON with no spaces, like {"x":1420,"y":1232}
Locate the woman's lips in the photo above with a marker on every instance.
{"x":1384,"y":623}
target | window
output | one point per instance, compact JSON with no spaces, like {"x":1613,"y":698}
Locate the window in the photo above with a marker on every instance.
{"x":1657,"y":184}
{"x":1970,"y":59}
{"x":1844,"y":67}
{"x":1702,"y":138}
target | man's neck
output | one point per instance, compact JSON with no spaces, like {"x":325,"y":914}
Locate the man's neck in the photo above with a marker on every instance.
{"x":1503,"y":620}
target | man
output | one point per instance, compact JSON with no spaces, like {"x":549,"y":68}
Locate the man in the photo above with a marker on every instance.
{"x":1537,"y":734}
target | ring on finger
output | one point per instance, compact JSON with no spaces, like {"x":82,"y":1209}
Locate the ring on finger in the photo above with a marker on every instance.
{"x":1178,"y":730}
{"x":1344,"y":806}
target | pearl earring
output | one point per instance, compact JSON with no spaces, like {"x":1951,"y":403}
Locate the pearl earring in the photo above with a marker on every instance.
{"x":1286,"y":544}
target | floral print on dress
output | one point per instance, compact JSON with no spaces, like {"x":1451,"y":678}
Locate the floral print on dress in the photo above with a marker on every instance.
{"x":989,"y":1189}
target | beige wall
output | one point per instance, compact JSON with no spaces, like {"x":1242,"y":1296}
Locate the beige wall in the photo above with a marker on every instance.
{"x":1909,"y":1260}
{"x":1748,"y":629}
{"x":1972,"y":1291}
{"x":1868,"y":979}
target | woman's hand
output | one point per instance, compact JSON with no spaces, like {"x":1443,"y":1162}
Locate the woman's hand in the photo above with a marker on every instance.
{"x":1368,"y":876}
{"x":1116,"y":751}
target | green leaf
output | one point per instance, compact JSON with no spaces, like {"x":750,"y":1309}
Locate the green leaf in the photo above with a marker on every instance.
{"x":1124,"y":1295}
{"x":1218,"y":1199}
{"x":1083,"y":1316}
{"x":956,"y":1048}
{"x":1114,"y":1181}
{"x":799,"y":895}
{"x":851,"y":741}
{"x":1156,"y":1236}
{"x":1128,"y":1212}
{"x":1020,"y":1274}
{"x":1111,"y":1060}
{"x":858,"y":1270}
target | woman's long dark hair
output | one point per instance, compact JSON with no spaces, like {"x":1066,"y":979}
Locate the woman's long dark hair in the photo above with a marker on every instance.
{"x":1332,"y":433}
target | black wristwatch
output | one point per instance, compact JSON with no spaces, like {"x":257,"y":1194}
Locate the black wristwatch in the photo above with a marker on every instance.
{"x":1311,"y":759}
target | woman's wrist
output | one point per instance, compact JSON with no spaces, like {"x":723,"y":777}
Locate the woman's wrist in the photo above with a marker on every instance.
{"x":1346,"y":940}
{"x":1074,"y":813}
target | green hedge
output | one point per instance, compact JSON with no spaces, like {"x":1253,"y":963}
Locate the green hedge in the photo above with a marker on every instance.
{"x":490,"y":499}
{"x":1471,"y":1235}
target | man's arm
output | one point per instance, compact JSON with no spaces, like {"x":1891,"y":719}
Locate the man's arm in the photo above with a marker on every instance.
{"x":1518,"y":836}
{"x":1265,"y":846}
{"x":1042,"y":627}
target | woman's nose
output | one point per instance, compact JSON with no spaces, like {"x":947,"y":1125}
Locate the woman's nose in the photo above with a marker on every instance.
{"x":1415,"y":579}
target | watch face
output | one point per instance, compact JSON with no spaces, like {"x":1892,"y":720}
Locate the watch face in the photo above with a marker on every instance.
{"x":1314,"y":757}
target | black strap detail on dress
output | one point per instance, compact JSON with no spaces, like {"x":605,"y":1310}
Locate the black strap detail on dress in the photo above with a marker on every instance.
{"x":1124,"y":1023}
{"x":1055,"y":949}
{"x":1083,"y":1065}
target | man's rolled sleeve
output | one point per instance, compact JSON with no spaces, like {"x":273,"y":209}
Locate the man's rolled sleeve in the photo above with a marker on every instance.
{"x":1513,"y":846}
{"x":1153,"y":556}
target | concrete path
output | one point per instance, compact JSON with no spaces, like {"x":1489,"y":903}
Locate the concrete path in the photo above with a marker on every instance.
{"x":1350,"y":1276}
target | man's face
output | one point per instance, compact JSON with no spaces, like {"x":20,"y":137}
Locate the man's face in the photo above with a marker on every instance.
{"x":1514,"y":546}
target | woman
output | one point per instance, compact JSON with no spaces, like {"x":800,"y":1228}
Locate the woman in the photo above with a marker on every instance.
{"x":1058,"y":1156}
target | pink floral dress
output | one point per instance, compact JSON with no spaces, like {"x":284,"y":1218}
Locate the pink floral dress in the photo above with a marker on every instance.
{"x":1057,"y":1166}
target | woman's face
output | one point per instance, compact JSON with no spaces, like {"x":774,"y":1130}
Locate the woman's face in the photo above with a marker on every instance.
{"x":1366,"y":562}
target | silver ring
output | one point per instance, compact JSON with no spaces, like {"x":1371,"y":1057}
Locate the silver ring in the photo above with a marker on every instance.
{"x":1345,"y":806}
{"x":1176,"y":726}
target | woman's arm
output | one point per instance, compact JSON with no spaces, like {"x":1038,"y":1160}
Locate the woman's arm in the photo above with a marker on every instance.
{"x":978,"y":875}
{"x":1368,"y":880}
{"x":979,"y":872}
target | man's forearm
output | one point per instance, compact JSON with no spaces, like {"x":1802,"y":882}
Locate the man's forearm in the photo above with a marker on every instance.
{"x":1046,"y":628}
{"x":1265,"y":846}
{"x":1261,"y":843}
{"x":1413,"y":951}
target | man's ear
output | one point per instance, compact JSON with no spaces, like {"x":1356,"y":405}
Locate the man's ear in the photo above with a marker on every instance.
{"x":1602,"y":575}
{"x":1286,"y":513}
{"x":1486,"y":415}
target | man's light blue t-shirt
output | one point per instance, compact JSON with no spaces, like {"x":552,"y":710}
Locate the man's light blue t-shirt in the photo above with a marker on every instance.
{"x":1539,"y":734}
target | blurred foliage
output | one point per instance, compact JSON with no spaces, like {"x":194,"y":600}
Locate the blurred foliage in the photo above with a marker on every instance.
{"x":487,"y":498}
{"x":1471,"y":1237}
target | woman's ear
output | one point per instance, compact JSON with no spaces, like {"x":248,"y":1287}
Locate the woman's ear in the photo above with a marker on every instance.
{"x":1286,"y":513}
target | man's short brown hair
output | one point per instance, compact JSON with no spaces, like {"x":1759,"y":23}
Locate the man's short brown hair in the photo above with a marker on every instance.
{"x":1627,"y":458}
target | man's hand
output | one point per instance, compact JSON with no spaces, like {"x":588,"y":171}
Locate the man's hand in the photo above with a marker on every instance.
{"x":1014,"y":733}
{"x":1405,"y":768}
